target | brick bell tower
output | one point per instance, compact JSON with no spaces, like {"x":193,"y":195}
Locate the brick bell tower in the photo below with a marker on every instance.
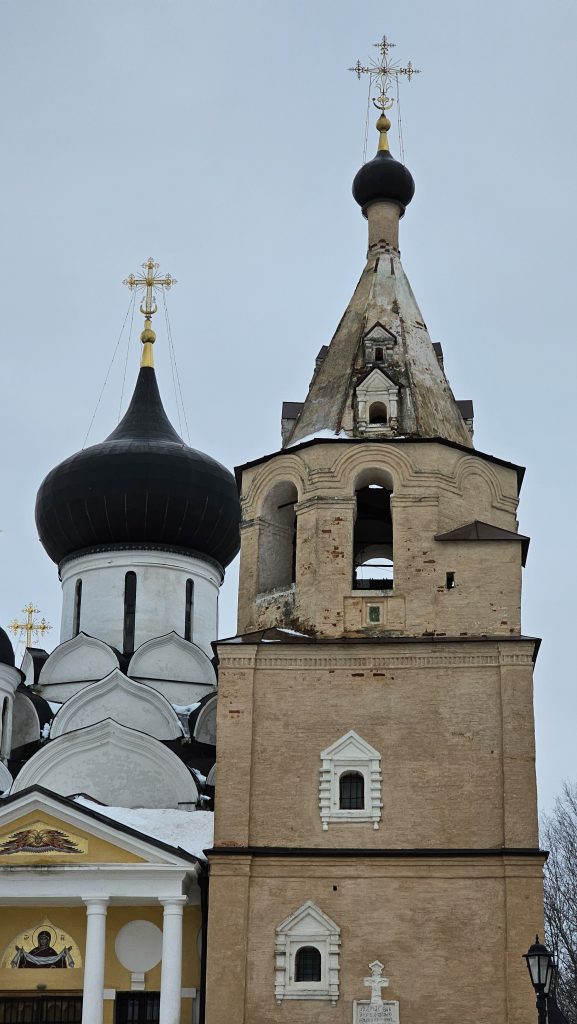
{"x":376,"y":851}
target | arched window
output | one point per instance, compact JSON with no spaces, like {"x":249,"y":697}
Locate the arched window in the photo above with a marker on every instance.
{"x":378,"y":413}
{"x":77,"y":604}
{"x":351,"y":791}
{"x":373,"y":539}
{"x":188,"y":610}
{"x":278,"y":538}
{"x":129,"y":611}
{"x":308,"y":964}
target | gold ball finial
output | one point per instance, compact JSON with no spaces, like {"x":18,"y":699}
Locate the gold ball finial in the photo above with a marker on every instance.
{"x":148,"y":335}
{"x":383,"y":125}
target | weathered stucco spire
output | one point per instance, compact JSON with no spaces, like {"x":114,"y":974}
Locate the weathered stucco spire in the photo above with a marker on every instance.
{"x":381,"y":376}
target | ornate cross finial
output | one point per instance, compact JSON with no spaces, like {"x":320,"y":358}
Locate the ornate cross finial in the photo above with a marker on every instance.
{"x":383,"y":71}
{"x":30,"y":627}
{"x":149,"y":282}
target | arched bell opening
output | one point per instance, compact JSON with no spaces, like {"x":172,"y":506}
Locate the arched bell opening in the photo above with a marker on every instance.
{"x":378,"y":414}
{"x":373,"y":536}
{"x":278,"y":538}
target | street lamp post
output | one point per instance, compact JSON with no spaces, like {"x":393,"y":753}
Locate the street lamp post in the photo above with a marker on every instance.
{"x":541,"y":967}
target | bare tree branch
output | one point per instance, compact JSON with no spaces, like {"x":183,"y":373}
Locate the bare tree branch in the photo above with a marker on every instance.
{"x":559,"y":836}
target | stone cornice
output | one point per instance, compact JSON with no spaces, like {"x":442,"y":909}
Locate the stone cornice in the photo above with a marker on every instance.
{"x":291,"y":656}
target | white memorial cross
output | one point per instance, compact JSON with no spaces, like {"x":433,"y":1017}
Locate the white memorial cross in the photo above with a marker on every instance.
{"x":376,"y":982}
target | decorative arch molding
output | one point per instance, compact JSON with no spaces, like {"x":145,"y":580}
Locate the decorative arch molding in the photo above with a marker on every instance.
{"x":115,"y":765}
{"x":204,"y":729}
{"x":360,"y":460}
{"x":350,"y":753}
{"x":307,"y":926}
{"x":133,"y":704}
{"x":211,"y":777}
{"x":175,"y":667}
{"x":468,"y":466}
{"x":282,"y":469}
{"x":78,"y":661}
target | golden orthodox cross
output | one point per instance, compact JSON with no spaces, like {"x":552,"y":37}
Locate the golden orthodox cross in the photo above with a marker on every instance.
{"x":30,"y":627}
{"x":149,"y":282}
{"x":383,"y":71}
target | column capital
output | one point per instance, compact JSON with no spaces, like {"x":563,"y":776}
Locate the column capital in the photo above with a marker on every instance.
{"x":96,"y":904}
{"x":173,"y":903}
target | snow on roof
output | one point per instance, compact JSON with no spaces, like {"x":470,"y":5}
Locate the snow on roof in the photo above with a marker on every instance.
{"x":190,"y":830}
{"x":320,"y":435}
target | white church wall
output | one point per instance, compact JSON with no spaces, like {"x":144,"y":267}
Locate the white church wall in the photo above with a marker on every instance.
{"x":128,"y":702}
{"x":112,"y":764}
{"x":160,"y":595}
{"x":75,"y":664}
{"x":9,"y":681}
{"x":25,"y":721}
{"x":179,"y":670}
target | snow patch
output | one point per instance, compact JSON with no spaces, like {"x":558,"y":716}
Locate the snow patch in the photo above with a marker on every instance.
{"x":319,"y":435}
{"x":192,"y":831}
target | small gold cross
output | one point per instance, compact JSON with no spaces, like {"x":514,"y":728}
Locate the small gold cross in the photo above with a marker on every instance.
{"x":384,"y":71}
{"x":149,"y":282}
{"x":30,"y":627}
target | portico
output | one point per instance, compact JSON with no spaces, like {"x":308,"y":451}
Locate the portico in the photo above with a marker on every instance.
{"x":125,"y":918}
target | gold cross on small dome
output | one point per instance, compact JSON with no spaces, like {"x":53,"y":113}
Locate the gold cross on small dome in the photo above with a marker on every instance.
{"x":30,"y":627}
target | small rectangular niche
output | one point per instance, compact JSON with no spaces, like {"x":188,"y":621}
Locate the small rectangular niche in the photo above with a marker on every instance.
{"x":450,"y":581}
{"x":374,"y":614}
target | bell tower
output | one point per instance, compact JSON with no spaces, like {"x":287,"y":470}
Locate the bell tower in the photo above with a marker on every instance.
{"x":376,"y":802}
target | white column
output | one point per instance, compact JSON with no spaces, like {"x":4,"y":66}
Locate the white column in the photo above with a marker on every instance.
{"x":171,"y":973}
{"x":94,"y":960}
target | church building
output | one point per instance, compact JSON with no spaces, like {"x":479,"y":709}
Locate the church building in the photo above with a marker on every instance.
{"x":364,"y":744}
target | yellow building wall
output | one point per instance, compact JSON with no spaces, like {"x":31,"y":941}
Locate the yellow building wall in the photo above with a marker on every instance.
{"x":72,"y":921}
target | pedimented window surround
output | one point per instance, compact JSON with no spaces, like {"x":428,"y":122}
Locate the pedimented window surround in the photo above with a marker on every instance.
{"x":377,"y":391}
{"x":350,"y":753}
{"x":308,"y":926}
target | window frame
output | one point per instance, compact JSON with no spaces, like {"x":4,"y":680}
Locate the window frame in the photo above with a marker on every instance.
{"x":350,"y":753}
{"x":307,"y":927}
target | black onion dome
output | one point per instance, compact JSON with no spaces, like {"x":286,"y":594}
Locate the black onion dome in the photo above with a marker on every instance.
{"x":142,"y":485}
{"x":383,"y":178}
{"x":6,"y":649}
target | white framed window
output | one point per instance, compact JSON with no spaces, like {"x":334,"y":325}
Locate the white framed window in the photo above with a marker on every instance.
{"x":350,"y":782}
{"x":307,"y":956}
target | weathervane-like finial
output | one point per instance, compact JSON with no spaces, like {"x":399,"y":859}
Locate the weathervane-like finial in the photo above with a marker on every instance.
{"x":149,"y":283}
{"x":382,"y":72}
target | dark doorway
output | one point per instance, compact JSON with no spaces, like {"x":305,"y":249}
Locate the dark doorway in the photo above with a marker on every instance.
{"x":137,"y":1007}
{"x":40,"y":1009}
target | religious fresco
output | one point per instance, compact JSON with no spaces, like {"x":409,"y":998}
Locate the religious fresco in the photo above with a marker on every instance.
{"x":39,"y":837}
{"x":44,"y":946}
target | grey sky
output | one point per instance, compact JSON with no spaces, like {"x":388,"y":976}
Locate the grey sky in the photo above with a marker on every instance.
{"x":222,"y":138}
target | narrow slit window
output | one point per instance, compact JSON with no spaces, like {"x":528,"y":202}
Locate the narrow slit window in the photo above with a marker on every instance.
{"x":189,"y":609}
{"x":77,"y":606}
{"x":129,"y":611}
{"x":352,"y":791}
{"x":450,"y":581}
{"x":308,"y":964}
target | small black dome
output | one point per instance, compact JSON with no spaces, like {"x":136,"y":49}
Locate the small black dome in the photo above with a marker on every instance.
{"x":383,"y":178}
{"x":142,"y":485}
{"x":6,"y":649}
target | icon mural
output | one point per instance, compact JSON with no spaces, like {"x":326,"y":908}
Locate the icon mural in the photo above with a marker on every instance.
{"x":43,"y":947}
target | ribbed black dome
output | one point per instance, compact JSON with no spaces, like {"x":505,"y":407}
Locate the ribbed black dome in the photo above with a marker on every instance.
{"x":6,"y":649}
{"x":383,"y":178}
{"x":142,"y":485}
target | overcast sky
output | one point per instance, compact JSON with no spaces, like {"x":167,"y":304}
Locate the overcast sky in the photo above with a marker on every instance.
{"x":222,"y":139}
